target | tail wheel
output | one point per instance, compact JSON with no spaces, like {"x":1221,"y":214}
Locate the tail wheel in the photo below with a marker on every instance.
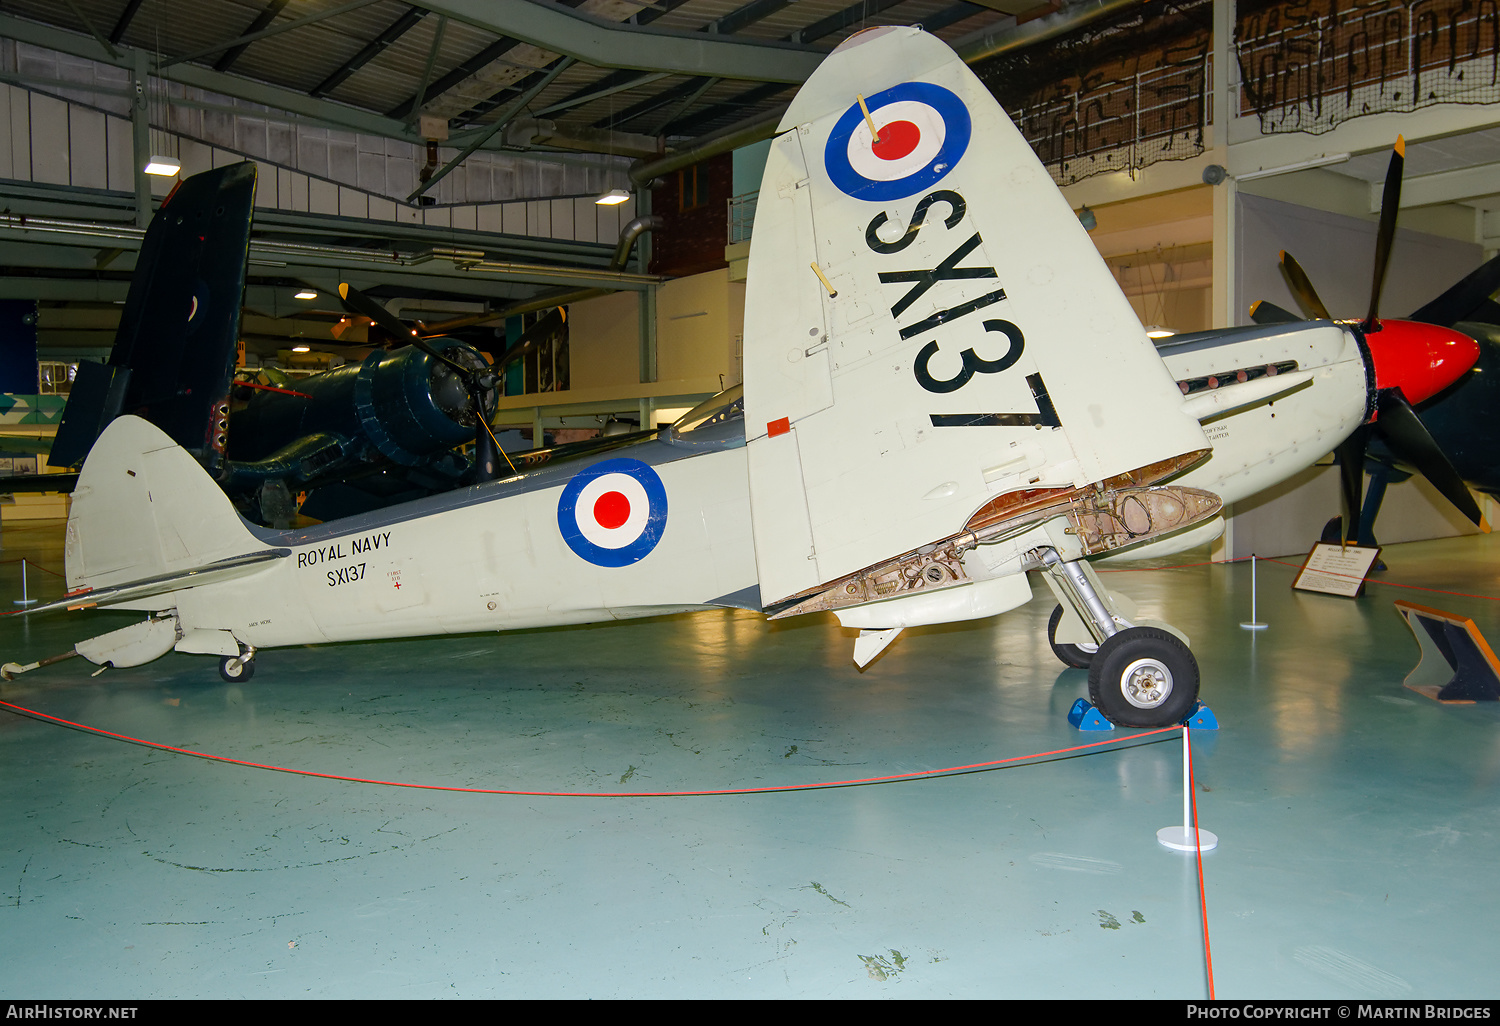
{"x":1144,"y":677}
{"x":236,"y":669}
{"x":1077,"y":656}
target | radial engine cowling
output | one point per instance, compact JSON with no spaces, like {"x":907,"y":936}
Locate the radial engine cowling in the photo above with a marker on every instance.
{"x":403,"y":405}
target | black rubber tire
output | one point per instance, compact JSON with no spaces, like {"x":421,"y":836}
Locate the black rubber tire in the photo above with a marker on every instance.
{"x":1164,"y":659}
{"x":1076,"y":656}
{"x":235,"y":670}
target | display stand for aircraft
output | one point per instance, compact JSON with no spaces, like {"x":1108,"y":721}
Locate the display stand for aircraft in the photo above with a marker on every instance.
{"x":1457,"y":666}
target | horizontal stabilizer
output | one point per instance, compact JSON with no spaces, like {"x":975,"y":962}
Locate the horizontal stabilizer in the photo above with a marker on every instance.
{"x":164,"y":584}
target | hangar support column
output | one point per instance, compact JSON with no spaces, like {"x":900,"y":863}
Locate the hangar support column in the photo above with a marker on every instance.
{"x":140,"y":129}
{"x":1225,"y":84}
{"x":646,"y":308}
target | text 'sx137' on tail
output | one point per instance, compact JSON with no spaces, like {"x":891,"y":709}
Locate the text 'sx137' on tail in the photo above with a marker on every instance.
{"x":932,"y":343}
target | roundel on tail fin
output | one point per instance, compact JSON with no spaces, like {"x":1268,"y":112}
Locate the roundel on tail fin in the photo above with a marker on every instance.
{"x":921,"y":131}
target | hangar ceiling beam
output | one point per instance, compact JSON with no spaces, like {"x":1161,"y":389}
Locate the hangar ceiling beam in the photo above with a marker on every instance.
{"x":126,"y":17}
{"x":324,"y":111}
{"x":262,"y":20}
{"x":419,"y":98}
{"x":852,"y":15}
{"x":995,"y":40}
{"x":108,"y":46}
{"x":1456,"y":186}
{"x":275,"y":30}
{"x":469,"y":67}
{"x":397,"y":29}
{"x":679,"y":124}
{"x":504,"y":119}
{"x":608,"y":44}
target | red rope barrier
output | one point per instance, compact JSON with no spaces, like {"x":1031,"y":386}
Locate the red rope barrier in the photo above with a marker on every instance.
{"x":1388,"y":584}
{"x":892,"y":778}
{"x":1208,"y":955}
{"x":32,"y":563}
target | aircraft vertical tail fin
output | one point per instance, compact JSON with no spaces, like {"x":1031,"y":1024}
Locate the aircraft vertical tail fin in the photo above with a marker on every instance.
{"x":929,"y":332}
{"x":174,"y":352}
{"x":144,"y":509}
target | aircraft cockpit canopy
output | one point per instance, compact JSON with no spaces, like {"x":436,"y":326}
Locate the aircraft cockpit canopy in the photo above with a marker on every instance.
{"x":717,"y":422}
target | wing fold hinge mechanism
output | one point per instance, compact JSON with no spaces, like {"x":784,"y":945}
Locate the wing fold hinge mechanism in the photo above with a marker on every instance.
{"x":1102,"y":517}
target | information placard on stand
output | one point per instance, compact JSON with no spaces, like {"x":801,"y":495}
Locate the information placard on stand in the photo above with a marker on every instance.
{"x":1336,"y":569}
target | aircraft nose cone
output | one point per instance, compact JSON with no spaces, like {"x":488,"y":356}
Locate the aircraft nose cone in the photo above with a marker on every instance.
{"x":1420,"y":359}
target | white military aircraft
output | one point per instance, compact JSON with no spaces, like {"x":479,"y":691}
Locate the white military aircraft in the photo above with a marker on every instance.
{"x":944,"y":390}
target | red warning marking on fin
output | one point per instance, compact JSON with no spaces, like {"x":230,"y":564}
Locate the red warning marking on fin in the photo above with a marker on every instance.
{"x":778,"y":427}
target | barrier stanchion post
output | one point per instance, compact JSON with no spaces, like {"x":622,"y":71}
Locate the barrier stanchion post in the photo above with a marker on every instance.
{"x":1187,"y":837}
{"x":23,"y":600}
{"x":1254,"y":624}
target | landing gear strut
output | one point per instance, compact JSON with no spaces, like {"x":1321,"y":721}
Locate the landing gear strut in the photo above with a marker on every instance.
{"x":1138,"y":676}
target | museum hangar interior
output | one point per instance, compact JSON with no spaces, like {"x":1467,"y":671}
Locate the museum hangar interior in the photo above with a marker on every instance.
{"x":714,"y":803}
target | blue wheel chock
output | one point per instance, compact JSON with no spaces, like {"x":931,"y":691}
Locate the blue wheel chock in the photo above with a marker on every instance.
{"x":1084,"y":716}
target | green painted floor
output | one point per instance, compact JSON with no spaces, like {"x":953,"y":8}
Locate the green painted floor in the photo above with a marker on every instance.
{"x":1359,"y":823}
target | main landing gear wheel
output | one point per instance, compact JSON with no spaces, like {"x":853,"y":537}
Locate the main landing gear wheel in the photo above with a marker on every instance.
{"x":1144,"y":677}
{"x":1077,"y":656}
{"x":236,"y":669}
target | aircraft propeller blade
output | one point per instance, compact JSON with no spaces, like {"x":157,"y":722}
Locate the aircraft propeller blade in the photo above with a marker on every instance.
{"x":1390,"y":206}
{"x":1410,"y":441}
{"x":1459,"y":302}
{"x":486,"y":451}
{"x":1302,"y":288}
{"x":1263,"y":312}
{"x":530,"y":339}
{"x":357,"y":302}
{"x":1351,"y":459}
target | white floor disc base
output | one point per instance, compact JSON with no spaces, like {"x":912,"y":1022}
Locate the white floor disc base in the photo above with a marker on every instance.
{"x":1181,"y":839}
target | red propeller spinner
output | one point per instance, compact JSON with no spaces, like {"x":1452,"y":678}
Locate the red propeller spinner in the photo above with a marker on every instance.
{"x":1420,"y":359}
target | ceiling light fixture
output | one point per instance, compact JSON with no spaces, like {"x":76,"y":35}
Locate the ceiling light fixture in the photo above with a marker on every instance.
{"x":164,"y":166}
{"x":306,"y":294}
{"x":613,"y":198}
{"x":1156,"y":331}
{"x":301,"y":349}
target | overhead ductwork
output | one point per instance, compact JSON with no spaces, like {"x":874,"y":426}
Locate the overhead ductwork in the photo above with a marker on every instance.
{"x":632,"y":231}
